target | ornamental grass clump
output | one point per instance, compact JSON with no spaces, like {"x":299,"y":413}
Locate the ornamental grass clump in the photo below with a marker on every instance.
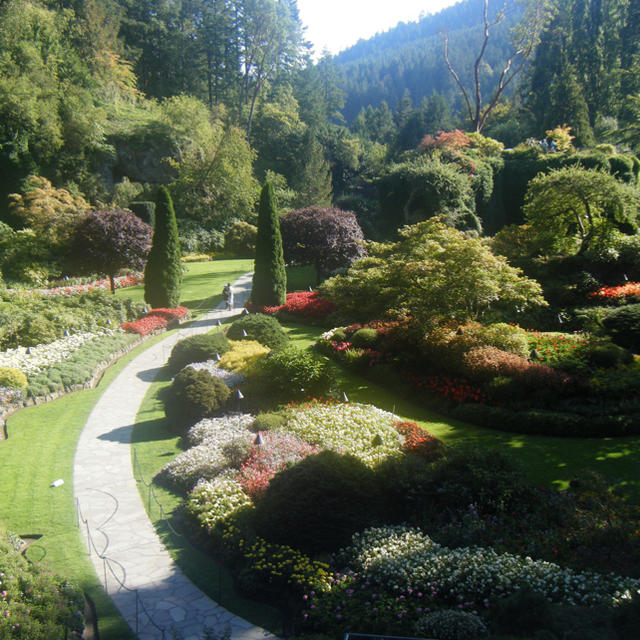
{"x":361,"y":430}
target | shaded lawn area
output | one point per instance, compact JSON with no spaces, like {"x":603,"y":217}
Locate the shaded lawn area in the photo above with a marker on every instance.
{"x":40,"y":449}
{"x":202,"y":285}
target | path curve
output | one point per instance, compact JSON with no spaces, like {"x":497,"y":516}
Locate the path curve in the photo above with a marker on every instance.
{"x":108,"y":497}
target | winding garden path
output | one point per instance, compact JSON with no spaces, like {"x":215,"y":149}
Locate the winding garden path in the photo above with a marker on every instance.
{"x":153,"y":595}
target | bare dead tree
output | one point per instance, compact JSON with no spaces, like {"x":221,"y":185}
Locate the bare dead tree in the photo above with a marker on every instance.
{"x":525,"y":38}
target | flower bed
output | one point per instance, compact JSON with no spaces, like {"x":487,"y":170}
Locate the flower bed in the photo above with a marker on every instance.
{"x":154,"y":320}
{"x":121,"y":282}
{"x":306,"y":304}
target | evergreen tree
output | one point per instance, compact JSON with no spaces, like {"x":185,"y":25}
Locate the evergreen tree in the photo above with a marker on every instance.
{"x":163,"y":272}
{"x":269,"y":277}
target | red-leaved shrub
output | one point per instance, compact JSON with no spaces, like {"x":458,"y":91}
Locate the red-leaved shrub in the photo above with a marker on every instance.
{"x":419,"y":441}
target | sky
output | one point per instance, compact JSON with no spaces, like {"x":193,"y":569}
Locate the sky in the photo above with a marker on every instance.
{"x":337,"y":24}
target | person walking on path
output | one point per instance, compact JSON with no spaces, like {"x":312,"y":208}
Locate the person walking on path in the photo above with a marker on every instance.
{"x":227,"y":292}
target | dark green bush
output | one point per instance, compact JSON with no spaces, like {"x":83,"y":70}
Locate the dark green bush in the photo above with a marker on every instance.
{"x":608,"y":355}
{"x":450,"y":624}
{"x":240,"y":240}
{"x":198,"y":348}
{"x":522,"y":613}
{"x":193,"y":395}
{"x":293,"y":373}
{"x":364,"y":338}
{"x":622,"y":168}
{"x":623,"y":326}
{"x":318,"y":504}
{"x":261,"y":327}
{"x":145,"y":210}
{"x":38,"y":330}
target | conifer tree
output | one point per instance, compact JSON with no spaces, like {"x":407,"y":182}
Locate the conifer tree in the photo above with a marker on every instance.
{"x":269,"y":277}
{"x":163,"y":272}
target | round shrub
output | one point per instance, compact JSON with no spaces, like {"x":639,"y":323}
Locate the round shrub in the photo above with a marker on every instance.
{"x":193,"y":395}
{"x":449,"y":624}
{"x":317,"y":504}
{"x":267,"y":422}
{"x":258,"y":326}
{"x":606,"y":356}
{"x":506,"y":337}
{"x":364,"y":338}
{"x":293,"y":373}
{"x":198,"y":348}
{"x":240,"y":240}
{"x":13,"y":378}
{"x":623,"y":325}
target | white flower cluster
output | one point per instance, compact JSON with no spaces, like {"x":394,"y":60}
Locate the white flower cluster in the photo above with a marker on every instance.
{"x":213,"y":500}
{"x":231,"y":379}
{"x":45,"y":355}
{"x":328,"y":335}
{"x":402,"y":558}
{"x":10,"y":395}
{"x":229,"y":426}
{"x":218,"y":447}
{"x":361,"y":430}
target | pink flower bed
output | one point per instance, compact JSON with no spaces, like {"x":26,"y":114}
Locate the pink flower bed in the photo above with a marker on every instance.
{"x":124,"y":281}
{"x":300,"y":303}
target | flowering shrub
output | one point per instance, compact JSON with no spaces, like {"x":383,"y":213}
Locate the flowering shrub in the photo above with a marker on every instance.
{"x":146,"y":325}
{"x":307,"y":304}
{"x":278,"y":451}
{"x":418,"y":440}
{"x":559,"y":349}
{"x":400,"y":558}
{"x":364,"y":431}
{"x":35,"y":603}
{"x":31,"y":360}
{"x":243,"y":356}
{"x":230,"y":378}
{"x":211,"y":501}
{"x":219,"y":431}
{"x":169,"y":314}
{"x":628,"y":291}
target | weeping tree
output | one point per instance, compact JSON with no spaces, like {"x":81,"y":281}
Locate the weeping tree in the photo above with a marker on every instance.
{"x":269,"y":276}
{"x":163,"y":272}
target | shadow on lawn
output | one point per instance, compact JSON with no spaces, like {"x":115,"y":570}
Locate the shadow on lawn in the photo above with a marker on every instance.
{"x":146,"y":431}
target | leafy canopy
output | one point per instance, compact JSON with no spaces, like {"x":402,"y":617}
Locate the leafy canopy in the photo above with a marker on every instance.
{"x":433,"y":272}
{"x":572,"y":208}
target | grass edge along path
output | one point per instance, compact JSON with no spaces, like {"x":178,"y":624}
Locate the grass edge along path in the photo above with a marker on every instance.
{"x":41,"y":449}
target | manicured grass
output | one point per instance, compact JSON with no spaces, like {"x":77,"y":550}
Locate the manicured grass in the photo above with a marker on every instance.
{"x":40,"y":449}
{"x":202,"y":285}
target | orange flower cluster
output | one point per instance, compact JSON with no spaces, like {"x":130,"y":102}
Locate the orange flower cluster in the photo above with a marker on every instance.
{"x":616,"y":293}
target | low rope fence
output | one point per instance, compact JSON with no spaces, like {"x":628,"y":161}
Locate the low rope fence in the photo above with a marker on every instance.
{"x":108,"y":565}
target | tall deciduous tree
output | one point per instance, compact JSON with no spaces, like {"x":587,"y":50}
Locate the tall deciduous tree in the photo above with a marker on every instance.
{"x":572,"y":207}
{"x":163,"y":272}
{"x":329,"y":239}
{"x":525,"y":39}
{"x":106,"y":241}
{"x":269,"y":276}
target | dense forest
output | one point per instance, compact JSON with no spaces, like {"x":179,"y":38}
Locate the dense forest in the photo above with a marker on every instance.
{"x":101,"y":101}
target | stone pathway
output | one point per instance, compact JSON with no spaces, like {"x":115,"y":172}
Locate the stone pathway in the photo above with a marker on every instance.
{"x":157,"y":600}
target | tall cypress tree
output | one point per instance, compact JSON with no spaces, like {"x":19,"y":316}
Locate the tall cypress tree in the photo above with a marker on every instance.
{"x":269,"y":276}
{"x":163,"y":272}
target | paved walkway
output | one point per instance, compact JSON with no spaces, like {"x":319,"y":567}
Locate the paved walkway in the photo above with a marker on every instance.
{"x":157,"y":600}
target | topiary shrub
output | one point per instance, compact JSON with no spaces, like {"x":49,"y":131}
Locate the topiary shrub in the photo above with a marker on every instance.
{"x":198,"y":348}
{"x":623,"y":326}
{"x":318,"y":504}
{"x":449,"y":624}
{"x":258,"y":326}
{"x":364,"y":338}
{"x":13,"y":378}
{"x":193,"y":395}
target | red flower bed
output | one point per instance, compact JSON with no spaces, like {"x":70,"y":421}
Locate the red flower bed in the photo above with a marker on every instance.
{"x":617,"y":293}
{"x":124,"y":281}
{"x":153,"y":320}
{"x":455,"y":389}
{"x":169,"y":314}
{"x":419,"y":441}
{"x":144,"y":326}
{"x":301,"y":303}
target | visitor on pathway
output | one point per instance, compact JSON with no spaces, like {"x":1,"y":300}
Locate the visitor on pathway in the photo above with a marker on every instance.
{"x":227,"y":292}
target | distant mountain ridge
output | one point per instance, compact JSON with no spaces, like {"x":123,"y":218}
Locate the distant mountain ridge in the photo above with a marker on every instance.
{"x":410,"y":57}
